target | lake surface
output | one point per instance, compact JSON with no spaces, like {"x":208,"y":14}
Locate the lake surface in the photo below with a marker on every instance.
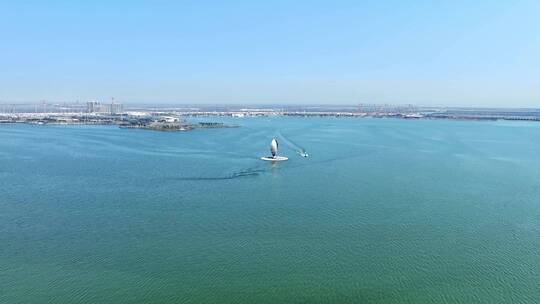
{"x":382,"y":211}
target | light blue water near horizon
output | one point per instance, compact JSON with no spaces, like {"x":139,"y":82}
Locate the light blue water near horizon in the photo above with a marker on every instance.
{"x":383,"y":211}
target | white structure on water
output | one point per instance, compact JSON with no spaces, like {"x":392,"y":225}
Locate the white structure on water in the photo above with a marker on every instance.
{"x":274,"y":149}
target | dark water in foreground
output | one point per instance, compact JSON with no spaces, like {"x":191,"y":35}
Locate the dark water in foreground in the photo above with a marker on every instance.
{"x":383,"y":211}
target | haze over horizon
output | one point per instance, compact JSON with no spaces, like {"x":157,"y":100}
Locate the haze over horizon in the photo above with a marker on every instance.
{"x":451,"y":53}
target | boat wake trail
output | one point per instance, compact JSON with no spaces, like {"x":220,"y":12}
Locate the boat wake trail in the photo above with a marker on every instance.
{"x":297,"y":148}
{"x":234,"y":175}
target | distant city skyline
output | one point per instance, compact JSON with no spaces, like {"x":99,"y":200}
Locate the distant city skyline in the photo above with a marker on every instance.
{"x":449,"y":53}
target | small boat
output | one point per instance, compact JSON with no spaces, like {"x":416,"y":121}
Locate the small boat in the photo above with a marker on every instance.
{"x":274,"y":149}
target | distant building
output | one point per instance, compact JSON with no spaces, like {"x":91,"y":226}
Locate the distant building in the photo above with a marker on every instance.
{"x":98,"y":107}
{"x":169,"y":119}
{"x":93,"y":107}
{"x":115,"y":108}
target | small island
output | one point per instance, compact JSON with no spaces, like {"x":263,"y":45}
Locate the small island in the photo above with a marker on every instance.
{"x":174,"y":126}
{"x":137,"y":120}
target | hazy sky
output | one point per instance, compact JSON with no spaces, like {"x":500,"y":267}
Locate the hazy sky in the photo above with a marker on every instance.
{"x":335,"y":52}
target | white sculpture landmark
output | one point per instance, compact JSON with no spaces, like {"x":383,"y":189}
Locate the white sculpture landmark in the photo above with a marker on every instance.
{"x":274,"y":149}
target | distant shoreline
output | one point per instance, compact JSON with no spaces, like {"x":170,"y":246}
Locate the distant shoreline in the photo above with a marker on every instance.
{"x":173,"y":118}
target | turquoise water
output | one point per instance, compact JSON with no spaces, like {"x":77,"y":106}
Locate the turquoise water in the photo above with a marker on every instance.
{"x":383,"y":211}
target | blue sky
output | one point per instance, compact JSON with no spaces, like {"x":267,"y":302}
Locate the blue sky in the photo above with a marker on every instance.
{"x":461,"y":53}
